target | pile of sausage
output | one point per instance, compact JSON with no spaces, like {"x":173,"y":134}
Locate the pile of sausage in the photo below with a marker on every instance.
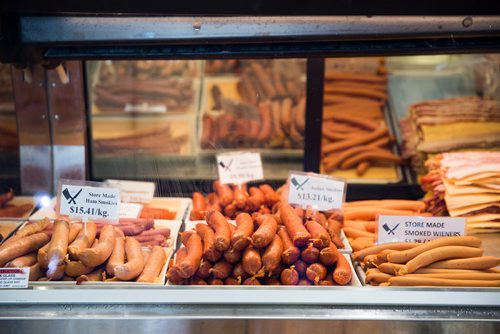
{"x":447,"y":261}
{"x":232,"y":201}
{"x":71,"y":252}
{"x":8,"y":210}
{"x":283,"y":248}
{"x":360,"y":218}
{"x":278,"y":121}
{"x":354,"y":130}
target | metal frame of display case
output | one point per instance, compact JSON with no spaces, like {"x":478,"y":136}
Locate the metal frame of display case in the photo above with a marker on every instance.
{"x":52,"y":39}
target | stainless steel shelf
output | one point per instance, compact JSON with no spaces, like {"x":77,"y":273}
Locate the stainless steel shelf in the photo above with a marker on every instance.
{"x":327,"y":303}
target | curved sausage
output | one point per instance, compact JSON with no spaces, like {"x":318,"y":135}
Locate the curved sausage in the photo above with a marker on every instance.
{"x":264,"y":235}
{"x":208,"y":236}
{"x":222,"y":232}
{"x":153,"y":266}
{"x":319,"y":234}
{"x":272,"y":256}
{"x":290,"y":253}
{"x":289,"y":276}
{"x":189,"y":265}
{"x":251,"y":261}
{"x":92,"y":257}
{"x":117,"y":256}
{"x":84,"y":239}
{"x":135,"y":261}
{"x":298,"y":233}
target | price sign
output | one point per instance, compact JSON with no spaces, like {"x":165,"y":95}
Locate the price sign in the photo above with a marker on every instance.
{"x":14,"y":278}
{"x":88,"y":202}
{"x":134,"y":191}
{"x":316,"y":191}
{"x":418,"y":229}
{"x":239,"y":167}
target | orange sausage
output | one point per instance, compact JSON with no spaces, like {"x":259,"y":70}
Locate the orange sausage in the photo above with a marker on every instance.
{"x":298,"y":233}
{"x":36,"y":272}
{"x":199,"y":207}
{"x":189,"y":265}
{"x":221,"y":269}
{"x":316,"y":272}
{"x":358,"y":140}
{"x":266,"y":122}
{"x":310,"y":254}
{"x":290,"y":253}
{"x":329,"y":255}
{"x":272,"y":256}
{"x":224,"y":193}
{"x":23,"y":261}
{"x":478,"y":263}
{"x":208,"y":236}
{"x":241,"y":237}
{"x":264,"y":235}
{"x":240,"y":196}
{"x":320,"y":236}
{"x":117,"y":256}
{"x":270,"y":196}
{"x":58,"y":248}
{"x":357,"y":256}
{"x":92,"y":257}
{"x":256,"y":198}
{"x":251,"y":261}
{"x":222,"y":232}
{"x":135,"y":260}
{"x":289,"y":276}
{"x":153,"y":266}
{"x":84,"y":239}
{"x":342,"y":274}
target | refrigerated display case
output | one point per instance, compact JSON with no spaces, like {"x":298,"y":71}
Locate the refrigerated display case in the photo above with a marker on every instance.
{"x":254,"y":309}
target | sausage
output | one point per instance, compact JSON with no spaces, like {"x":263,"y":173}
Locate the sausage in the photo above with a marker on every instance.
{"x":204,"y":269}
{"x":32,"y":228}
{"x":76,"y":268}
{"x":221,"y":269}
{"x":84,"y":239}
{"x":23,"y":261}
{"x":197,"y":281}
{"x":270,"y":196}
{"x":320,"y":236}
{"x":264,"y":235}
{"x":273,"y":280}
{"x":479,"y":263}
{"x":286,"y":113}
{"x":290,"y":253}
{"x":173,"y":273}
{"x":232,"y":255}
{"x":251,"y":261}
{"x":251,"y":281}
{"x":406,"y":255}
{"x":135,"y":261}
{"x":289,"y":276}
{"x":256,"y":198}
{"x":263,"y":79}
{"x":208,"y":237}
{"x":239,"y":272}
{"x":301,"y":267}
{"x":36,"y":272}
{"x":342,"y":274}
{"x":42,"y":258}
{"x":56,"y":272}
{"x":354,"y":141}
{"x":95,"y":276}
{"x":277,"y":134}
{"x":304,"y":281}
{"x":316,"y":272}
{"x":191,"y":262}
{"x":58,"y":248}
{"x":310,"y":254}
{"x":224,"y":193}
{"x":333,"y":228}
{"x":264,"y":109}
{"x":244,"y":229}
{"x":329,"y":255}
{"x":222,"y":232}
{"x":436,"y":254}
{"x":215,"y":281}
{"x":376,"y":276}
{"x":92,"y":257}
{"x":359,"y":255}
{"x":240,"y":196}
{"x":298,"y":233}
{"x":199,"y":207}
{"x":232,"y":281}
{"x":428,"y":281}
{"x":272,"y":256}
{"x":153,"y":266}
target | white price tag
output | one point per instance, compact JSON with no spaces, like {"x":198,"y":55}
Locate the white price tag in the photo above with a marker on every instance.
{"x":316,"y":191}
{"x":88,"y":202}
{"x":418,"y":229}
{"x":14,"y":278}
{"x":130,"y":210}
{"x":134,"y":191}
{"x":146,"y":107}
{"x":239,"y":167}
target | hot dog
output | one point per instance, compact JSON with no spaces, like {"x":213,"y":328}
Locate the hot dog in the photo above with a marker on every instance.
{"x":135,"y":261}
{"x":153,"y":266}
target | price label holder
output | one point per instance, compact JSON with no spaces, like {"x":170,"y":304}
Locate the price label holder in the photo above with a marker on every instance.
{"x":133,"y":191}
{"x":239,"y":167}
{"x":14,"y":278}
{"x":417,"y":229}
{"x":315,"y":191}
{"x":129,"y":210}
{"x":88,"y":200}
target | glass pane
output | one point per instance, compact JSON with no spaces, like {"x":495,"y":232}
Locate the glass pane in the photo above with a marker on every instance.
{"x":168,"y":119}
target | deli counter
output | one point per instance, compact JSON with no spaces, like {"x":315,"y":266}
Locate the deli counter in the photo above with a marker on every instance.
{"x":393,"y":108}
